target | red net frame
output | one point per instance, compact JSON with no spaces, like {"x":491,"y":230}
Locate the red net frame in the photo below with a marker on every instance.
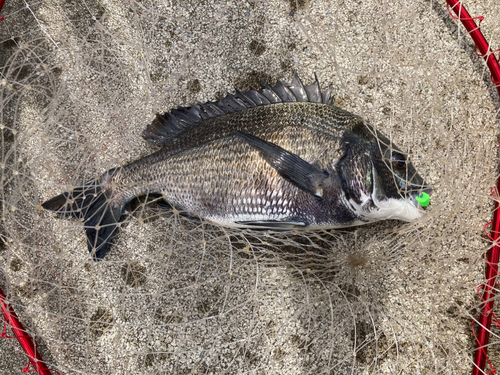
{"x":2,"y":2}
{"x":482,"y":335}
{"x":27,"y":342}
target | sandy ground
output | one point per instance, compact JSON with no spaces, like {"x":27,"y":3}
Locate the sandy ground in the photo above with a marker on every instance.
{"x":79,"y":82}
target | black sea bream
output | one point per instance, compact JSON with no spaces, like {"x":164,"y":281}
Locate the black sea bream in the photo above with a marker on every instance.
{"x":278,"y":158}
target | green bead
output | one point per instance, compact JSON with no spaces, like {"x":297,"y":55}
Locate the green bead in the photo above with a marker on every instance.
{"x":423,"y":199}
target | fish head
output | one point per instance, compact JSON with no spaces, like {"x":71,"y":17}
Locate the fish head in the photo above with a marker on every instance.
{"x":379,"y":180}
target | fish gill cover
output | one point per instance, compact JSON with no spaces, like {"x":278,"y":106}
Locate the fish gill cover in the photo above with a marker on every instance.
{"x":79,"y":82}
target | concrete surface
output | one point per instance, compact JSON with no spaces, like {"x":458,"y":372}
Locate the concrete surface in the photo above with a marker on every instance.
{"x":82,"y":79}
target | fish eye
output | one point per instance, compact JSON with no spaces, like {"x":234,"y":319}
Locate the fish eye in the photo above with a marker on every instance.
{"x":398,"y":161}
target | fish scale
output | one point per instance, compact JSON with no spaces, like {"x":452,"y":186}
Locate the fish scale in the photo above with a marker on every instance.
{"x":278,"y":158}
{"x":220,"y":160}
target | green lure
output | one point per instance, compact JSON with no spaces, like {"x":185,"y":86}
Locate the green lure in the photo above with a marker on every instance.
{"x":423,"y":199}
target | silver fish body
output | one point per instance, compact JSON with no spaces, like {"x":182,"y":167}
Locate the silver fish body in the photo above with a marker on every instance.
{"x":294,"y":161}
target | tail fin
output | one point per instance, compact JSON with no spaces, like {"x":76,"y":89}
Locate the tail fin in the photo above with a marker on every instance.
{"x":100,"y":215}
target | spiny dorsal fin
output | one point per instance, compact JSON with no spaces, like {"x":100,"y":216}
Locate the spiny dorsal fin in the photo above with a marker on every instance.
{"x":168,"y":126}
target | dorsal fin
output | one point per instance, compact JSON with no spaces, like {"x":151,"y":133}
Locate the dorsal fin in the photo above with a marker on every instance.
{"x":168,"y":126}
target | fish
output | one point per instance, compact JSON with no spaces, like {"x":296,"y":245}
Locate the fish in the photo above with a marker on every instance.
{"x":280,"y":158}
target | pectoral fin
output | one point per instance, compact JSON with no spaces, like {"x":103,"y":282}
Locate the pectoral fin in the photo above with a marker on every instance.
{"x":290,"y":166}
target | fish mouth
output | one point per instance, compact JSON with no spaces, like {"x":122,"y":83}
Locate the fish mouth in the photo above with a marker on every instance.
{"x":405,"y":208}
{"x":417,"y":193}
{"x":409,"y":191}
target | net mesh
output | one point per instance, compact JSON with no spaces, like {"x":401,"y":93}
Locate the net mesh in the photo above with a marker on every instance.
{"x":79,"y":81}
